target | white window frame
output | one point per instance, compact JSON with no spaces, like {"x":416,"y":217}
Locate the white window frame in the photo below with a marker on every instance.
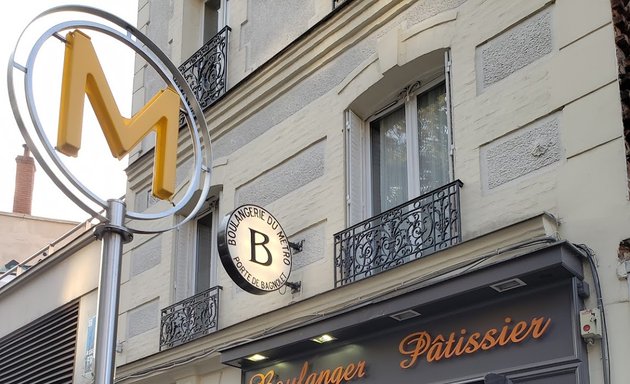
{"x":222,"y":18}
{"x":214,"y":254}
{"x":362,"y":128}
{"x":410,"y":102}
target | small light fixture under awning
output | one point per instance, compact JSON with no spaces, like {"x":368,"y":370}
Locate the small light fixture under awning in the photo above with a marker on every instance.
{"x":506,"y":285}
{"x":405,"y":315}
{"x":257,"y":357}
{"x":323,"y":339}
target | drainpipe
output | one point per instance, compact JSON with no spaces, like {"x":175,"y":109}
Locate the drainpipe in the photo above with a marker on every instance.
{"x":590,"y":256}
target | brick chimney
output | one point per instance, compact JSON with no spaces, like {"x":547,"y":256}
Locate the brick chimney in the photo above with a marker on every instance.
{"x":24,"y":179}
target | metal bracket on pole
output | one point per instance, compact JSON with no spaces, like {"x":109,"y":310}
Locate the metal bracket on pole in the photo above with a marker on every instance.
{"x":113,"y":234}
{"x":103,"y":228}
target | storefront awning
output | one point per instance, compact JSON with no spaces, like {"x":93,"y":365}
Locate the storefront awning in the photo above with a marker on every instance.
{"x":553,"y":263}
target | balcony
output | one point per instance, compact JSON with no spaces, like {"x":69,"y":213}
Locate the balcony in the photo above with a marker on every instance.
{"x":190,"y":319}
{"x":206,"y":70}
{"x":419,"y":227}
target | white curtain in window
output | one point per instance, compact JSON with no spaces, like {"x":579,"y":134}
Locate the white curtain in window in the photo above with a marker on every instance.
{"x":433,"y":141}
{"x":389,"y":161}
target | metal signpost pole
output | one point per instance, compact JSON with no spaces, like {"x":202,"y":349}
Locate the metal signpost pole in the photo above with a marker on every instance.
{"x":113,"y":234}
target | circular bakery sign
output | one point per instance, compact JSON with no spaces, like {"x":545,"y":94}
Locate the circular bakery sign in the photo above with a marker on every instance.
{"x":254,"y":249}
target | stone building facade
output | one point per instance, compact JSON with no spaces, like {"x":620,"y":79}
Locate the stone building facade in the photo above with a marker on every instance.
{"x":456,"y":170}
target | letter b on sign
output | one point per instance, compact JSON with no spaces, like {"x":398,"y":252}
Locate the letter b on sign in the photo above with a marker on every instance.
{"x":260,"y":247}
{"x":247,"y":239}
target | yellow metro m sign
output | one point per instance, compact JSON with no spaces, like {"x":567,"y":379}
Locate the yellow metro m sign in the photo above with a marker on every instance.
{"x":83,"y":75}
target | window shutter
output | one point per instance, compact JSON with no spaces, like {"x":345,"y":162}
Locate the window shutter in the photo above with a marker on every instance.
{"x":354,"y":168}
{"x":204,"y":254}
{"x":449,"y":112}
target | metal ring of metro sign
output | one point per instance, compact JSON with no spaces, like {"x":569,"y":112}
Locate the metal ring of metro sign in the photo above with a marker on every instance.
{"x":83,"y":76}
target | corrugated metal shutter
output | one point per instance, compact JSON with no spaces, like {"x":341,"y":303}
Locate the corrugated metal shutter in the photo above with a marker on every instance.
{"x":43,"y":351}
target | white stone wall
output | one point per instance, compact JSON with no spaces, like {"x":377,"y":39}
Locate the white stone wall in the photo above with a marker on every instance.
{"x":272,"y":25}
{"x":62,"y":280}
{"x":22,"y":236}
{"x":521,"y":45}
{"x":146,"y":288}
{"x":535,"y":147}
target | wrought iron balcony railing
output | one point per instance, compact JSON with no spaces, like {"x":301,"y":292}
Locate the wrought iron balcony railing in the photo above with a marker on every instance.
{"x":421,"y":226}
{"x":206,"y":70}
{"x":190,"y":319}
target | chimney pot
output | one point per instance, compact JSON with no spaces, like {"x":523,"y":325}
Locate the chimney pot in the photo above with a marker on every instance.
{"x":24,"y":180}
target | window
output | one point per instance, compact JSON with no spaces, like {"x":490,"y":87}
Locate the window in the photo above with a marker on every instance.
{"x":405,"y":162}
{"x":195,"y":308}
{"x":195,"y":257}
{"x":205,"y":262}
{"x":214,"y":18}
{"x":402,"y":151}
